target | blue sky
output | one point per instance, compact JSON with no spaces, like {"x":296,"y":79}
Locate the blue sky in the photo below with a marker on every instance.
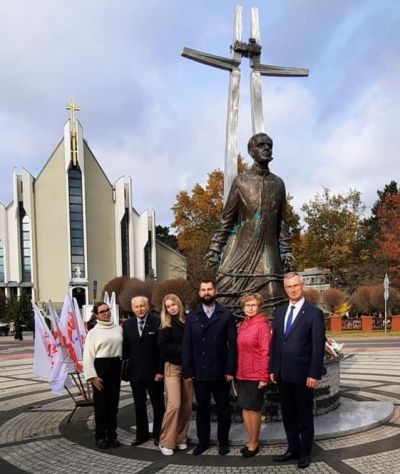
{"x":159,"y":118}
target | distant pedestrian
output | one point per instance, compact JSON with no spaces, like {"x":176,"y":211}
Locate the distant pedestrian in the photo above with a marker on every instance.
{"x":18,"y":333}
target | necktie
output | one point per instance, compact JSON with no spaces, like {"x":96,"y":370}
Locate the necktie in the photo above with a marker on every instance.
{"x":289,"y":321}
{"x":141,"y":326}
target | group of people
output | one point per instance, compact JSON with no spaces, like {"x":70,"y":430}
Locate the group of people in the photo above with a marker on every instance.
{"x":205,"y":353}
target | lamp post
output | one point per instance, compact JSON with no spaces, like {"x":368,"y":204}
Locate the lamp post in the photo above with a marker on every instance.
{"x":386,"y":296}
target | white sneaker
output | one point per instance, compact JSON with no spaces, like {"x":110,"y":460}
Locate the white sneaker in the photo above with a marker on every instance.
{"x":182,"y":446}
{"x":166,"y":451}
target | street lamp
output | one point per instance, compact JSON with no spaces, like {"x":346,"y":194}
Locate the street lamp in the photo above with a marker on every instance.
{"x":386,"y":296}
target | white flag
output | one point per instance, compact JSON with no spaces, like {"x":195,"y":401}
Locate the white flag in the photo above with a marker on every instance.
{"x":70,"y":332}
{"x":114,"y":309}
{"x":44,"y":346}
{"x":81,"y":326}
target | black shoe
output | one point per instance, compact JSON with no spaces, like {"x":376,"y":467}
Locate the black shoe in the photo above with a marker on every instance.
{"x":249,"y":453}
{"x":287,"y":456}
{"x":244,"y":449}
{"x":139,"y":441}
{"x":199,"y":449}
{"x":114,"y":443}
{"x":223,"y":449}
{"x":101,"y":444}
{"x":304,"y":462}
{"x":156,"y":441}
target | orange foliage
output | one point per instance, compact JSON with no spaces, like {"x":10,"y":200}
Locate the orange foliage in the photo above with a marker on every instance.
{"x":389,"y":221}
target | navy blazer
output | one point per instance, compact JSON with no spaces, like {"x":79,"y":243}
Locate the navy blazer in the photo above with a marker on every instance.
{"x":300,"y":354}
{"x":143,"y":354}
{"x":209,"y":345}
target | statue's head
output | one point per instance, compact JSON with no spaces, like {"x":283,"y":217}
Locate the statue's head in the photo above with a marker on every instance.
{"x":260,"y":148}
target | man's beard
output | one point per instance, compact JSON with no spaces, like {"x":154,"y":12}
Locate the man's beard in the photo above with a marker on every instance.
{"x":207,"y":300}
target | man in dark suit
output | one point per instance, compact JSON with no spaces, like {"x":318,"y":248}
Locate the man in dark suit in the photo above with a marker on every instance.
{"x":140,"y":335}
{"x":209,"y":358}
{"x":297,"y":352}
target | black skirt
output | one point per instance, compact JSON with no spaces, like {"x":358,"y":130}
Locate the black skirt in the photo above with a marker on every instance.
{"x":250,"y":397}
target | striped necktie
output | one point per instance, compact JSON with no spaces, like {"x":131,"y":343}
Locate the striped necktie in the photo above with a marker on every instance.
{"x":141,"y":326}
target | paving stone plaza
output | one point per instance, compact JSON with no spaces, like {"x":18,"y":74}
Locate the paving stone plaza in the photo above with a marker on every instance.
{"x":35,"y":438}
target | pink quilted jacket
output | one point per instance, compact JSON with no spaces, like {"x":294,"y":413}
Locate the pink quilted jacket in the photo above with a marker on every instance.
{"x":253,"y":349}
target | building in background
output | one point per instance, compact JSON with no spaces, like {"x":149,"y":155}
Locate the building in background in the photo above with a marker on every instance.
{"x":317,"y":278}
{"x":71,"y":229}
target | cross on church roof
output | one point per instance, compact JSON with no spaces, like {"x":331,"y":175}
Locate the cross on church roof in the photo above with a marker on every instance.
{"x":73,"y":141}
{"x":72,"y":107}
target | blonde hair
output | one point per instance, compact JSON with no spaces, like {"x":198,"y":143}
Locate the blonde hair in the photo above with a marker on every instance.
{"x":252,"y":296}
{"x":166,"y":319}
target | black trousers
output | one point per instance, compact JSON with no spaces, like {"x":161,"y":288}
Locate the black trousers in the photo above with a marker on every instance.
{"x":220,"y":390}
{"x":106,"y":400}
{"x":297,"y":414}
{"x":156,"y":394}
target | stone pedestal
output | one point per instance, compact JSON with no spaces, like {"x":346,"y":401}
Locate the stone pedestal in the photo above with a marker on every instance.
{"x":326,"y":396}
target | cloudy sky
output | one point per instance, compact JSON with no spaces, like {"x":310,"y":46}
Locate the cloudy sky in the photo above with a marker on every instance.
{"x":159,"y":118}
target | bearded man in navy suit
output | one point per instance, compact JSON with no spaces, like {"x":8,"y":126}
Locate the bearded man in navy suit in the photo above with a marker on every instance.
{"x":297,"y":354}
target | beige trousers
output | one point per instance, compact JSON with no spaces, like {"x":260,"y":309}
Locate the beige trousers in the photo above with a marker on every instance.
{"x":178,"y":412}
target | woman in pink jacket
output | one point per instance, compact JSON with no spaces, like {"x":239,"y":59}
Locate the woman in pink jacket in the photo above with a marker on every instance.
{"x":253,"y":362}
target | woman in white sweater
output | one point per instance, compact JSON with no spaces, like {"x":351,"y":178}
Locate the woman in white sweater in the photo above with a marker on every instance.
{"x":102,"y":367}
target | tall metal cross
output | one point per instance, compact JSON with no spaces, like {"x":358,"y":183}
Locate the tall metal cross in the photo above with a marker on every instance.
{"x":74,"y":149}
{"x":240,"y":49}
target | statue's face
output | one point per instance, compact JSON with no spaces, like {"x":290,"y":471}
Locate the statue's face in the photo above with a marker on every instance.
{"x":262,"y":150}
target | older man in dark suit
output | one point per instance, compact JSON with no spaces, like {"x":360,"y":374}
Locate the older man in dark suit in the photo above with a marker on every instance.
{"x":209,"y":358}
{"x":297,"y":353}
{"x":140,"y":346}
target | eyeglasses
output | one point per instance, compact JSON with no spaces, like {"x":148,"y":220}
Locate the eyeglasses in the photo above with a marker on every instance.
{"x":293,"y":287}
{"x":105,"y":311}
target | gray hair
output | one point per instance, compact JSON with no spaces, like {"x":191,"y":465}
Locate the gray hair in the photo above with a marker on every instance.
{"x":290,"y":275}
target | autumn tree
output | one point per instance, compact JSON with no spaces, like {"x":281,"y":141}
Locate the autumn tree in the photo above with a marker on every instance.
{"x":333,"y":223}
{"x":163,"y":234}
{"x":389,"y":227}
{"x":369,"y":299}
{"x":334,"y":299}
{"x":178,"y":287}
{"x":312,"y":295}
{"x":361,"y":300}
{"x":370,"y":257}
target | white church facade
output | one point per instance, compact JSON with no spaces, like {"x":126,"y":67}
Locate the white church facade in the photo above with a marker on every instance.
{"x":70,"y":228}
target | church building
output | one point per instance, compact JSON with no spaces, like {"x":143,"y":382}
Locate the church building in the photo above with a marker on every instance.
{"x":71,"y":229}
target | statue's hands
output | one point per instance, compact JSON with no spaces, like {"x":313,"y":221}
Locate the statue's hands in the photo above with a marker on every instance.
{"x":212,"y":258}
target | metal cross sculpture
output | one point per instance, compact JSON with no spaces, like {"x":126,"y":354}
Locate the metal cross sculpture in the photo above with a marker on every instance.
{"x":240,"y":49}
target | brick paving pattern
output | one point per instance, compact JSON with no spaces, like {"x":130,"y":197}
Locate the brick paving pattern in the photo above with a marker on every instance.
{"x":32,"y":419}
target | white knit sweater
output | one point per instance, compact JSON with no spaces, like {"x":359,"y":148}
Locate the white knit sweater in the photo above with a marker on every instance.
{"x":104,"y":340}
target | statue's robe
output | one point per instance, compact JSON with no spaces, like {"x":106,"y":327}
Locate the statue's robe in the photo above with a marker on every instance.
{"x":251,"y":237}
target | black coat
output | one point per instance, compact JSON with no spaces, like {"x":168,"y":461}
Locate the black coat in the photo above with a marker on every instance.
{"x":143,"y":354}
{"x":209,"y":345}
{"x":170,"y":342}
{"x":300,"y":354}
